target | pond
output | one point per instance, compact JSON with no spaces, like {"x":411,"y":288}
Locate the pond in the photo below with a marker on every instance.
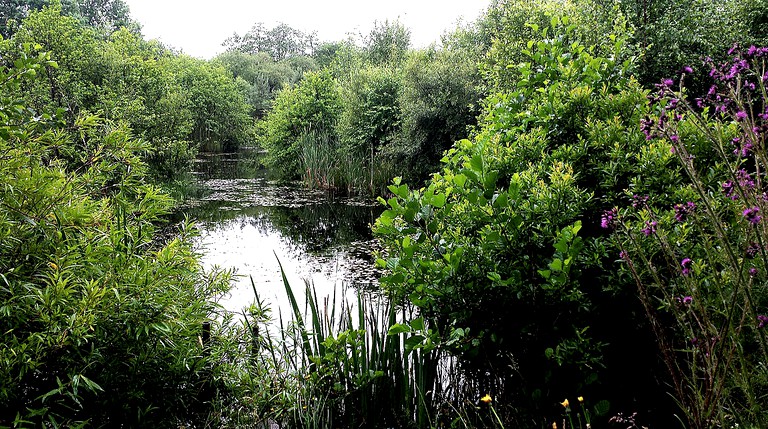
{"x":249,"y":223}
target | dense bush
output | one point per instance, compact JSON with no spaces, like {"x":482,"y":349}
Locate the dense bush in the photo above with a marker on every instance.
{"x":173,"y":102}
{"x":309,"y":109}
{"x":502,"y":251}
{"x":100,"y":320}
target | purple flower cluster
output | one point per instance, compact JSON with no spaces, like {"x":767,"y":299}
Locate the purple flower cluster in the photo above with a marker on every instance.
{"x":762,"y":321}
{"x":650,"y":228}
{"x":682,"y":211}
{"x":751,"y":214}
{"x":639,"y":201}
{"x":752,"y":249}
{"x":744,"y":149}
{"x":609,"y":218}
{"x":729,"y":190}
{"x":686,"y":264}
{"x":745,"y":179}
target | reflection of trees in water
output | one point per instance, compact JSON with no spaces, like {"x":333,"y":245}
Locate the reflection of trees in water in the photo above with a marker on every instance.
{"x":240,"y":165}
{"x":315,"y":228}
{"x":308,"y":222}
{"x":322,"y":226}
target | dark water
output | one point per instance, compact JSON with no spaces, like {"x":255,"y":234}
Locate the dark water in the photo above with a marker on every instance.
{"x":248,"y":222}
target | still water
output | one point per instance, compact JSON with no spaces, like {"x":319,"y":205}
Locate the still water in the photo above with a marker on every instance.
{"x":248,"y":222}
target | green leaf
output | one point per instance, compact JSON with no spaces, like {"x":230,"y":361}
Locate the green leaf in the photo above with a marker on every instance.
{"x":439,"y":200}
{"x":417,"y":324}
{"x":398,"y":328}
{"x":413,"y":342}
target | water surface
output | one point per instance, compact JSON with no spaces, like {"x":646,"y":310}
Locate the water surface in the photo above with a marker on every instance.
{"x":249,"y":222}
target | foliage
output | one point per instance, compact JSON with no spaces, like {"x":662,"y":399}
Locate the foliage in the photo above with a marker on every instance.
{"x":501,"y":251}
{"x":280,"y":42}
{"x":100,"y":320}
{"x":370,"y":119}
{"x":220,"y":115}
{"x":105,"y":16}
{"x":310,"y":107}
{"x":387,"y":43}
{"x":699,"y":260}
{"x":670,"y":35}
{"x":175,"y":104}
{"x":438,"y":103}
{"x":508,"y":25}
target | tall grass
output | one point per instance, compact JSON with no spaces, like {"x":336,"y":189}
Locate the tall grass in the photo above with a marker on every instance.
{"x":331,"y":362}
{"x":325,"y":166}
{"x":357,"y":375}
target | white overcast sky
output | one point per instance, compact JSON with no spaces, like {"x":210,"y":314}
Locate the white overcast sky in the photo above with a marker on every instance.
{"x":198,"y":27}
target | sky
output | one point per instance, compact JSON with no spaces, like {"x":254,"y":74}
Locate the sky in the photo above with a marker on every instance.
{"x":198,"y":27}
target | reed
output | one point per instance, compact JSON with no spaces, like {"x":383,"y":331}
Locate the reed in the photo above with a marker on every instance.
{"x":333,"y":364}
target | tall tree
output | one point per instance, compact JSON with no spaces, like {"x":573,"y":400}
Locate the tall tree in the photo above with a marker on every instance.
{"x":280,"y":42}
{"x":388,"y":42}
{"x":105,"y":15}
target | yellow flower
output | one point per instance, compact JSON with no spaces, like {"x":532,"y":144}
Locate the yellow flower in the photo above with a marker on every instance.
{"x":487,"y":399}
{"x":580,"y":398}
{"x":54,"y":266}
{"x":554,"y":425}
{"x":565,"y":403}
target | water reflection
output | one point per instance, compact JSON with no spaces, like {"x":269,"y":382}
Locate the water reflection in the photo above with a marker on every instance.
{"x":247,"y":222}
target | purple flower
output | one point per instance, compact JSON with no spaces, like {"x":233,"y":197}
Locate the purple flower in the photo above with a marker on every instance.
{"x":687,"y":69}
{"x":751,"y":215}
{"x":674,"y":138}
{"x":753,"y":272}
{"x":623,"y":255}
{"x":646,"y":126}
{"x":729,"y":190}
{"x":741,"y":115}
{"x":639,"y":201}
{"x":752,"y":249}
{"x":650,"y":228}
{"x":668,"y":82}
{"x":609,"y":216}
{"x":687,"y":300}
{"x":694,"y":341}
{"x":745,"y":179}
{"x":763,"y":320}
{"x":683,"y":210}
{"x":686,"y":265}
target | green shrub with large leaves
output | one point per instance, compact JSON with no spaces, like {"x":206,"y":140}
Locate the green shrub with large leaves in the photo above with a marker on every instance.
{"x":100,"y":319}
{"x":502,"y":252}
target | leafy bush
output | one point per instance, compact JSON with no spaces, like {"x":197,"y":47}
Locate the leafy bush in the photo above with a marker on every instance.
{"x":100,"y":319}
{"x":502,"y":251}
{"x":312,"y":106}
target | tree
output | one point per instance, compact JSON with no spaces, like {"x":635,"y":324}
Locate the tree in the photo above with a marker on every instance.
{"x":280,"y":42}
{"x":104,"y":15}
{"x":387,"y":43}
{"x":439,"y":103}
{"x":310,"y":108}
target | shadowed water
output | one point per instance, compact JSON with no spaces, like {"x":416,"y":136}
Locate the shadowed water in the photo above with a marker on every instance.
{"x":247,"y":222}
